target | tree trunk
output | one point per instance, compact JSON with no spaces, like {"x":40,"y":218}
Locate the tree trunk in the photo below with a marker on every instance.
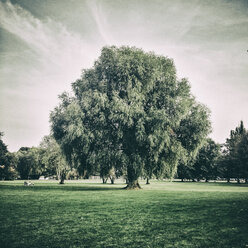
{"x":147,"y":180}
{"x":246,"y":180}
{"x":112,"y":180}
{"x":238,"y":180}
{"x":181,"y":179}
{"x":228,"y":180}
{"x":133,"y":185}
{"x":62,"y":181}
{"x":104,"y":180}
{"x":132,"y":177}
{"x":62,"y":178}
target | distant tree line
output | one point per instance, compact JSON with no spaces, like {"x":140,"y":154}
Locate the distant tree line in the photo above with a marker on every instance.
{"x":228,"y":161}
{"x":223,"y":162}
{"x":32,"y":162}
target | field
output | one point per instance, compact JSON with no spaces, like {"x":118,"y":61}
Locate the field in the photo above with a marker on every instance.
{"x":90,"y":214}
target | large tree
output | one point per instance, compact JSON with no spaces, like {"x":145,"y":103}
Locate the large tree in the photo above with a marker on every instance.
{"x":131,"y":111}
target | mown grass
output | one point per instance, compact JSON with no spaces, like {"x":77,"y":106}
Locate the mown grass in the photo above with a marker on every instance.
{"x":84,"y":214}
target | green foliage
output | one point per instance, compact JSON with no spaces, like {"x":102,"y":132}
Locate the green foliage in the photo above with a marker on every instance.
{"x":94,"y":215}
{"x":242,"y":151}
{"x":7,"y":166}
{"x":131,"y":113}
{"x":28,"y":163}
{"x":204,"y":166}
{"x":53,"y":160}
{"x":3,"y":147}
{"x":206,"y":163}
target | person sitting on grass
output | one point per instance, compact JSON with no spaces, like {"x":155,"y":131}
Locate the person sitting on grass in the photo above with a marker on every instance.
{"x":28,"y":183}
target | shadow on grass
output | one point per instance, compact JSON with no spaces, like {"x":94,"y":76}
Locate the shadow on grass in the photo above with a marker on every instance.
{"x":225,"y":184}
{"x":100,"y":187}
{"x":64,"y":187}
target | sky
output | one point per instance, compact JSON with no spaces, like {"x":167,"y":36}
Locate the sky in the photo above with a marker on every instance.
{"x":44,"y":45}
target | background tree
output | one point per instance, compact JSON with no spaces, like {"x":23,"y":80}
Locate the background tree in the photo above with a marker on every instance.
{"x":242,"y":151}
{"x":206,"y":163}
{"x":53,"y":160}
{"x":204,"y":166}
{"x":225,"y":167}
{"x":7,"y":166}
{"x":28,"y":163}
{"x":3,"y":159}
{"x":185,"y":171}
{"x":232,"y":162}
{"x":130,"y":102}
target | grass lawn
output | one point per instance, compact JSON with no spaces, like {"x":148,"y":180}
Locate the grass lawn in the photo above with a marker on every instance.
{"x":89,"y":214}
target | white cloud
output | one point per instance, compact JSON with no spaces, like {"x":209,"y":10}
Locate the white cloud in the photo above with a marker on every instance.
{"x":101,"y":21}
{"x":50,"y":40}
{"x":29,"y":87}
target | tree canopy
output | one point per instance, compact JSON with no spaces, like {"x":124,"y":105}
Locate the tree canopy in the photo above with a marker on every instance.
{"x":130,"y":112}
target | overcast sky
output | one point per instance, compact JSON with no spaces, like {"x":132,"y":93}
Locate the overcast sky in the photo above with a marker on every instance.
{"x":45,"y":44}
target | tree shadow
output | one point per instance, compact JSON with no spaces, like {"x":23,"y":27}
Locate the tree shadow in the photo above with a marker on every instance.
{"x":63,"y":187}
{"x":224,"y":184}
